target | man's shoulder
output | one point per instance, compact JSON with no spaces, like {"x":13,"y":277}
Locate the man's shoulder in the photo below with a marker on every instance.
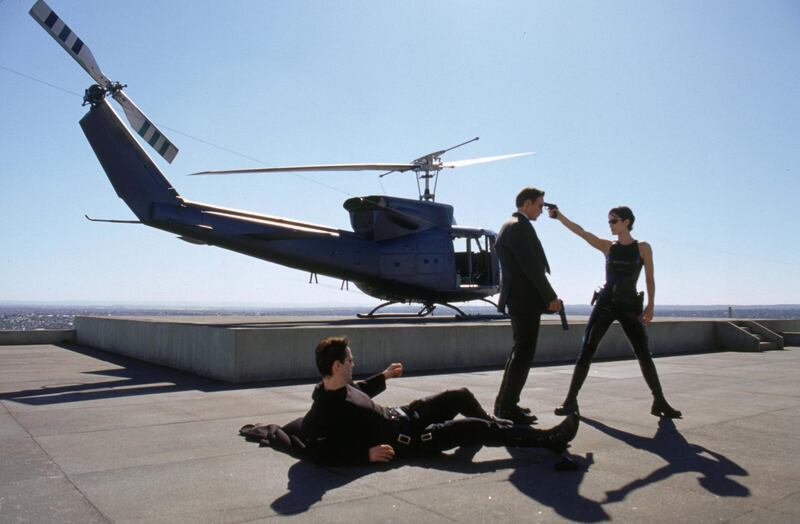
{"x":515,"y":225}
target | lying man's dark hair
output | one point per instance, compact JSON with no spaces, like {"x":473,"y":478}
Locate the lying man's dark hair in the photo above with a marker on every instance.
{"x":330,"y":350}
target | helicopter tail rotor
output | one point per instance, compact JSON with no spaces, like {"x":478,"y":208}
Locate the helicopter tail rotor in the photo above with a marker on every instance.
{"x":77,"y":49}
{"x":67,"y":39}
{"x":145,"y":128}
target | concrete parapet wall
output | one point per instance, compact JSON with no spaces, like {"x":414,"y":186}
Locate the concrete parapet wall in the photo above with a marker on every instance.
{"x":261,"y":350}
{"x":205,"y":350}
{"x":782,"y":326}
{"x":37,"y":336}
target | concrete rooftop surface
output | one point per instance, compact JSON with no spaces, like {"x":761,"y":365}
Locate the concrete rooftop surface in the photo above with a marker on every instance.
{"x":88,"y":436}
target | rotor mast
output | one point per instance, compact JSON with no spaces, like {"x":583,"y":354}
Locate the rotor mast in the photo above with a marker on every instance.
{"x":427,"y":167}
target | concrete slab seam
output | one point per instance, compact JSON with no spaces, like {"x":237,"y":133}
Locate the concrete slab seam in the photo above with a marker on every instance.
{"x":64,"y":473}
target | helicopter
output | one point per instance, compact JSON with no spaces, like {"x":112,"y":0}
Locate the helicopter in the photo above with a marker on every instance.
{"x":400,"y":250}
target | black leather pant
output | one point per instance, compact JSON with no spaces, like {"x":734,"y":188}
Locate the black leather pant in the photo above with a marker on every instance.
{"x":526,"y":331}
{"x":432,"y":418}
{"x":597,"y":326}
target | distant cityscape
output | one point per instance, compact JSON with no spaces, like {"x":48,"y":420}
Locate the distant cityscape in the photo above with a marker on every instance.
{"x":33,"y":316}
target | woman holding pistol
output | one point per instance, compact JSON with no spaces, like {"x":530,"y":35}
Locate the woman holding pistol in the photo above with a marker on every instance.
{"x":618,"y":300}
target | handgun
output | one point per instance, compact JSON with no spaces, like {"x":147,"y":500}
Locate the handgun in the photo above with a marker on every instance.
{"x":550,"y":208}
{"x":563,"y":315}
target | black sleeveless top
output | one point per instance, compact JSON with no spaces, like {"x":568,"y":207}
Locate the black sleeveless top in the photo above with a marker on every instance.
{"x":623,"y":266}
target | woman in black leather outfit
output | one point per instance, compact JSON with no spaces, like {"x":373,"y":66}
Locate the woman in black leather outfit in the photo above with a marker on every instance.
{"x":618,"y":300}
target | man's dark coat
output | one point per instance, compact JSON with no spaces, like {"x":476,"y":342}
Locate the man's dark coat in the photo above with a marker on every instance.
{"x":343,"y":424}
{"x":525,"y":289}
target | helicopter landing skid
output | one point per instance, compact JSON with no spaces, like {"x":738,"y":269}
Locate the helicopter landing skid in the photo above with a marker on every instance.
{"x":482,"y":316}
{"x":426,"y":310}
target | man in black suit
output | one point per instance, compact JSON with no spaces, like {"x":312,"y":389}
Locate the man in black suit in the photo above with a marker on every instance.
{"x":527,"y":293}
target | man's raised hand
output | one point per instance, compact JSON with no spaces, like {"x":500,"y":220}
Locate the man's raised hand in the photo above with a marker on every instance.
{"x":381,"y":453}
{"x":394,"y":370}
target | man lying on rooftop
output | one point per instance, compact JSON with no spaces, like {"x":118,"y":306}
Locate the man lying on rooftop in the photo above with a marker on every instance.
{"x":344,"y":425}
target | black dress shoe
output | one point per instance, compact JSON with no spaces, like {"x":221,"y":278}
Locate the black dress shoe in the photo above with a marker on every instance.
{"x":501,"y":422}
{"x":567,"y":408}
{"x":661,"y":408}
{"x":514,"y":414}
{"x":526,"y":412}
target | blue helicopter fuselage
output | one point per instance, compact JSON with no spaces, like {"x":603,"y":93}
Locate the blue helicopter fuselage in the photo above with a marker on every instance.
{"x":399,"y":249}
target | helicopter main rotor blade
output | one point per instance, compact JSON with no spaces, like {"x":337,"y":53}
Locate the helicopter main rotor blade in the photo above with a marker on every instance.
{"x":322,"y":167}
{"x":66,"y":38}
{"x":482,"y":160}
{"x":73,"y":45}
{"x":439,"y":153}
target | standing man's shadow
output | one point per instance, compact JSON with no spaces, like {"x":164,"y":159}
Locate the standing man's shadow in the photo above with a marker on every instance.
{"x":681,"y":457}
{"x":559,"y":490}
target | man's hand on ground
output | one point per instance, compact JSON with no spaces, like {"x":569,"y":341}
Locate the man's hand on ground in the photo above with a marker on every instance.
{"x":381,"y":453}
{"x":394,"y":370}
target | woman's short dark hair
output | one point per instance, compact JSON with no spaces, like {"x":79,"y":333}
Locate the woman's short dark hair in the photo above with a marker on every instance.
{"x":328,"y":351}
{"x":625,"y":213}
{"x":528,"y":193}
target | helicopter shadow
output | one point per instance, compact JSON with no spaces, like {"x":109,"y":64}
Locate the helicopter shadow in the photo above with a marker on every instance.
{"x":681,"y":456}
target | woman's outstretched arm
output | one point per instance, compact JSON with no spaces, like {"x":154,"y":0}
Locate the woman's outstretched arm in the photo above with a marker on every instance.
{"x":597,"y":243}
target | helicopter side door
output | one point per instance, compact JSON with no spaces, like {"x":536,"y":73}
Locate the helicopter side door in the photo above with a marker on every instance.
{"x":475,"y":258}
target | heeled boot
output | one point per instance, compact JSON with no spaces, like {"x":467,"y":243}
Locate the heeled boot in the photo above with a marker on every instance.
{"x":661,"y":408}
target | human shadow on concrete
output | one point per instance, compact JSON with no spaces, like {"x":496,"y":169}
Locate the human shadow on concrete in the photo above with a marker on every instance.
{"x":681,"y":457}
{"x":559,"y":490}
{"x":308,"y":483}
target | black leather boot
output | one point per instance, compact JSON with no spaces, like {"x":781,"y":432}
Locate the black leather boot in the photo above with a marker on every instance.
{"x":661,"y":408}
{"x":555,"y":439}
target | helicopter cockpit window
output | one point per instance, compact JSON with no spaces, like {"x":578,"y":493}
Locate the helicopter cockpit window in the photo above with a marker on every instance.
{"x":474,"y":261}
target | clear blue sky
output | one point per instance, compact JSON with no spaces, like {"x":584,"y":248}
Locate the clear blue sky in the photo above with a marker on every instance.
{"x":689,"y":112}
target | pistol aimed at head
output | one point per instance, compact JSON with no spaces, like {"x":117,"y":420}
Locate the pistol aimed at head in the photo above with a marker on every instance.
{"x":552,"y":209}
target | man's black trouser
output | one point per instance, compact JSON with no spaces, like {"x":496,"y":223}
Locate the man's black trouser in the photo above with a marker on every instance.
{"x":431,"y":427}
{"x":526,"y":331}
{"x":600,"y":320}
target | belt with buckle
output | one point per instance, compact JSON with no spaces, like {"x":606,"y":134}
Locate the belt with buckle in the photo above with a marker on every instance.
{"x":406,"y":439}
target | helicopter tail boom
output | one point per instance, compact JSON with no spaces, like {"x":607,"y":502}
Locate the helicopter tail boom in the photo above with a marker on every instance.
{"x":136,"y":179}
